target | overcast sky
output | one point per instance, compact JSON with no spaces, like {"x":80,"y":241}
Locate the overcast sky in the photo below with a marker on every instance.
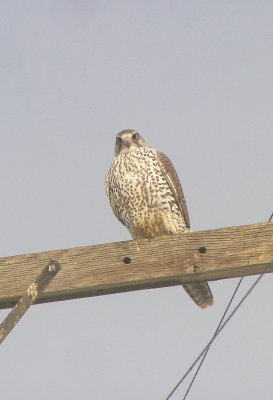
{"x":195,"y":79}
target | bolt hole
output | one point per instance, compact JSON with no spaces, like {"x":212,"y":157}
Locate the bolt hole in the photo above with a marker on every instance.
{"x":202,"y":250}
{"x":127,"y":260}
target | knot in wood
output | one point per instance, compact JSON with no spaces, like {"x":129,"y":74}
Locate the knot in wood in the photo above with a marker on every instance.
{"x":196,"y":269}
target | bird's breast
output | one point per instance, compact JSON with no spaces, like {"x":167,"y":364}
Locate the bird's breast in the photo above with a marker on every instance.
{"x":141,"y":196}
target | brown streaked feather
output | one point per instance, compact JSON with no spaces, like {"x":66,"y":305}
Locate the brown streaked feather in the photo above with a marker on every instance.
{"x":200,"y":292}
{"x":111,"y":198}
{"x":167,"y":169}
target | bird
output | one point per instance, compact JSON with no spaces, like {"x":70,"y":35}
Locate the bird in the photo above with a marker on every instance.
{"x":146,"y":196}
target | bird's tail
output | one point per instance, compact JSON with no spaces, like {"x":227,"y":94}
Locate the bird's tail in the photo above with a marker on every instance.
{"x":200,"y":293}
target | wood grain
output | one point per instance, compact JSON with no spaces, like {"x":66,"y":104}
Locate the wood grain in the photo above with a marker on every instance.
{"x":142,"y":264}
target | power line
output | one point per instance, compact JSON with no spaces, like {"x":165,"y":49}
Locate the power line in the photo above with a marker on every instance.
{"x":214,"y":335}
{"x":206,"y":349}
{"x":219,"y":328}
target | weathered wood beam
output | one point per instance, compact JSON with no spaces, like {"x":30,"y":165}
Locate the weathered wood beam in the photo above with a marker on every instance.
{"x":133,"y":265}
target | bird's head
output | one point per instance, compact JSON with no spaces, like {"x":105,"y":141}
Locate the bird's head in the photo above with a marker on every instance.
{"x":127,"y":141}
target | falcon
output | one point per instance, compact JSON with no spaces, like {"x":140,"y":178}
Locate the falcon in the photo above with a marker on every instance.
{"x":146,"y":196}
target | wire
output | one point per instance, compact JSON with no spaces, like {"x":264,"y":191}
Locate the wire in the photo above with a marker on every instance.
{"x":206,"y":349}
{"x":214,"y":336}
{"x":219,"y":328}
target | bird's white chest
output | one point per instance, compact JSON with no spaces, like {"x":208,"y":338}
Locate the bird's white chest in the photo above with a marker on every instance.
{"x":140,"y":195}
{"x":138,"y":177}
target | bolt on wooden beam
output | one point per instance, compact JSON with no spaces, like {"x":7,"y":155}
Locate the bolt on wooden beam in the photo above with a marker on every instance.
{"x":33,"y":291}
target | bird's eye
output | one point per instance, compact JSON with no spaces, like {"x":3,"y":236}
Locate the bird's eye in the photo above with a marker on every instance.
{"x":134,"y":136}
{"x":119,"y":140}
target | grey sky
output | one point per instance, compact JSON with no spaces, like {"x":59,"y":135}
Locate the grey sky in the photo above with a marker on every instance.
{"x":195,"y":78}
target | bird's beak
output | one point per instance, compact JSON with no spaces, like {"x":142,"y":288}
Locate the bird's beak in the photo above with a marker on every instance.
{"x":127,"y":143}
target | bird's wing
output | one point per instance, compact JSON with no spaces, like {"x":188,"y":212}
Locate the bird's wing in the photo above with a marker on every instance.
{"x":172,"y":179}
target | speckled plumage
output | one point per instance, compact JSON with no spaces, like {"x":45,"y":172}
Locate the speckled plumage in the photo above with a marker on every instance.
{"x":146,"y":196}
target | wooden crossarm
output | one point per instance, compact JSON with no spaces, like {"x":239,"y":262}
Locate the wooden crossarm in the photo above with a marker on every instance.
{"x":133,"y":265}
